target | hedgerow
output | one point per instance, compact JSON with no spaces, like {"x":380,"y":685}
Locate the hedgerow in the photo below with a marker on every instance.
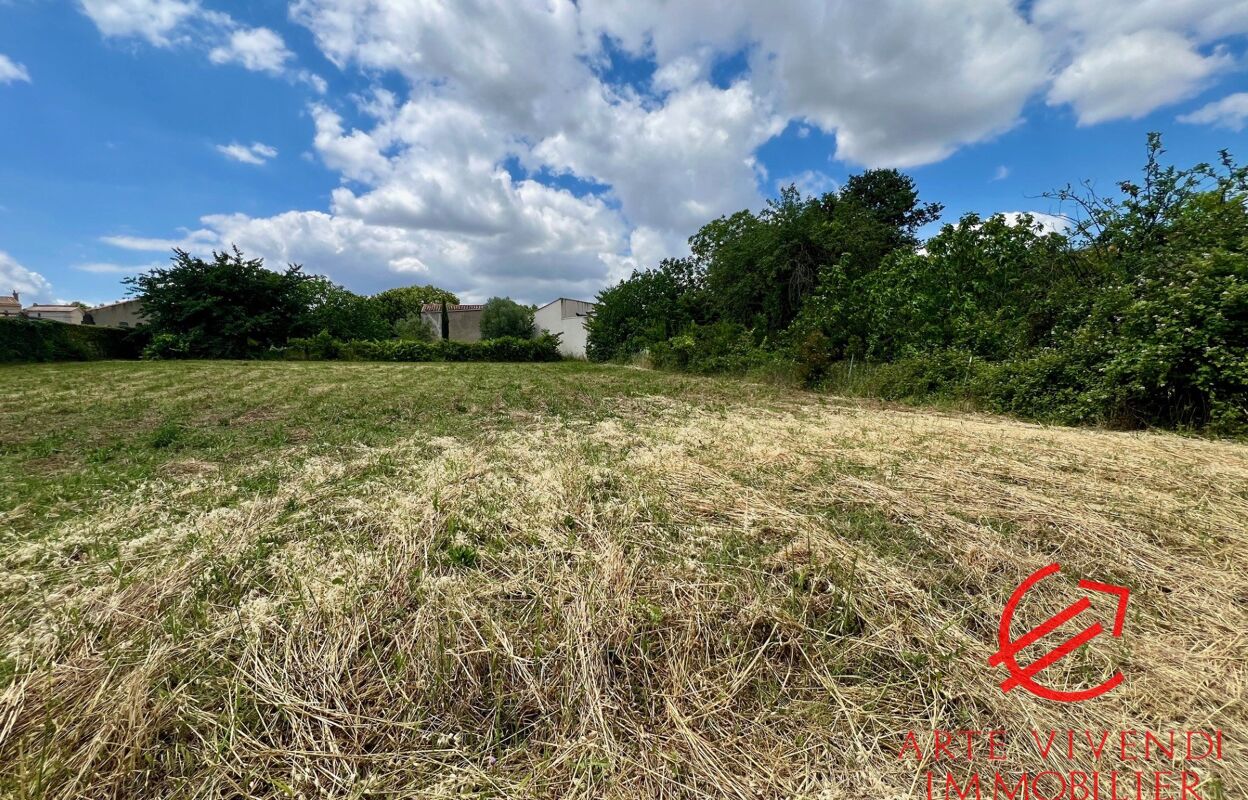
{"x":326,"y":348}
{"x":23,"y":339}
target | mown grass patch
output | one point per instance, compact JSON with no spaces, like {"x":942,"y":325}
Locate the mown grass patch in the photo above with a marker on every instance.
{"x":322,"y":579}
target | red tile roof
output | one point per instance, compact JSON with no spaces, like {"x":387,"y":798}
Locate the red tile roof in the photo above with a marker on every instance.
{"x":438,"y":307}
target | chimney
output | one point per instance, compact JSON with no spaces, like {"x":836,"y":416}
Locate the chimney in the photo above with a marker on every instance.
{"x":15,"y":297}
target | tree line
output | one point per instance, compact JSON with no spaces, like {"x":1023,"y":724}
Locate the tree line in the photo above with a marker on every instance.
{"x":1135,"y":315}
{"x":233,"y":307}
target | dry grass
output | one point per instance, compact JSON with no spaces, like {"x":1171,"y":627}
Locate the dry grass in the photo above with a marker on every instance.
{"x":667,"y":592}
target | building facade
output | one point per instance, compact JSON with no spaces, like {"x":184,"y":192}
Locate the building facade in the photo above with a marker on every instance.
{"x":567,"y":318}
{"x":10,"y":306}
{"x":124,"y":314}
{"x":465,"y":321}
{"x":71,"y":315}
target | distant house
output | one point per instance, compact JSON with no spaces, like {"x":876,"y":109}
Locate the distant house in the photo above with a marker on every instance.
{"x":465,"y":321}
{"x":10,"y":306}
{"x":567,"y":318}
{"x":70,"y":315}
{"x":123,"y":314}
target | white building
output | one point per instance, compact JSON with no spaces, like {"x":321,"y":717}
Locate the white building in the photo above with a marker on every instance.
{"x":567,"y":318}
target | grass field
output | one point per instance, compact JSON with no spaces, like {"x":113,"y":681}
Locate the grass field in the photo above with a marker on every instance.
{"x":480,"y":580}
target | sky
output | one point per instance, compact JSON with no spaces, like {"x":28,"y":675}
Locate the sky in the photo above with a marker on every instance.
{"x":546,"y":148}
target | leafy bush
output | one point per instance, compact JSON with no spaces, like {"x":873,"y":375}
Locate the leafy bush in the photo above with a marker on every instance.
{"x":504,"y":317}
{"x":720,"y":347}
{"x":23,"y":339}
{"x":167,"y":346}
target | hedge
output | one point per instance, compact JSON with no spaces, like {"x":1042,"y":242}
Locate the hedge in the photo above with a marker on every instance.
{"x":26,"y":340}
{"x":324,"y":348}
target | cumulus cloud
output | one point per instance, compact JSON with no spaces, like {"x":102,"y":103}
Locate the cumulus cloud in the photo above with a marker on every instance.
{"x":153,"y":20}
{"x":30,"y":285}
{"x":256,"y":49}
{"x":1126,"y":58}
{"x":1133,"y":74}
{"x":1230,"y":112}
{"x":167,"y":22}
{"x":11,"y":71}
{"x":255,"y":153}
{"x":520,"y":157}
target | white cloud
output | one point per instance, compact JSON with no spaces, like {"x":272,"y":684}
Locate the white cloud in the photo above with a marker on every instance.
{"x":11,"y":71}
{"x":1001,"y":174}
{"x":809,"y":182}
{"x":191,"y":241}
{"x":185,"y":22}
{"x":1044,"y":223}
{"x":1229,"y":112}
{"x":153,"y":20}
{"x":457,"y":177}
{"x":255,"y":153}
{"x":1133,"y":74}
{"x":30,"y":285}
{"x":256,"y":49}
{"x":105,"y":268}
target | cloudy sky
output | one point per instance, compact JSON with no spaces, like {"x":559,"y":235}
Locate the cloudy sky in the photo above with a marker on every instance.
{"x":540,"y":148}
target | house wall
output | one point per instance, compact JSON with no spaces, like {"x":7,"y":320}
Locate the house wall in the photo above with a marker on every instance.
{"x":70,"y":316}
{"x":465,"y":326}
{"x":127,"y":314}
{"x":567,"y":318}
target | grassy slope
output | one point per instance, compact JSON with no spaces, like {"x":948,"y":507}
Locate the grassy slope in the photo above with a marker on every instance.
{"x":565,"y":580}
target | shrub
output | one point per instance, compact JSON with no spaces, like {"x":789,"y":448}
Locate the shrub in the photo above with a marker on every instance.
{"x":721,"y":347}
{"x":23,"y":339}
{"x":317,"y":348}
{"x":167,"y":346}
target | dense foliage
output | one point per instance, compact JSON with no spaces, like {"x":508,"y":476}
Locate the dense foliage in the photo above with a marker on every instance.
{"x":230,"y":306}
{"x":508,"y":348}
{"x":404,"y":302}
{"x":503,"y":317}
{"x":1135,"y":315}
{"x":23,"y":339}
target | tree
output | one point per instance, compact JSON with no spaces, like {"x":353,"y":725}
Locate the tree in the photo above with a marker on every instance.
{"x":649,"y":307}
{"x":403,"y":302}
{"x":503,"y":316}
{"x":226,"y":307}
{"x":343,"y":314}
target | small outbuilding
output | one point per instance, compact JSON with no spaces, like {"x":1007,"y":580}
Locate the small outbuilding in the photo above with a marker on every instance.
{"x":464,"y":321}
{"x":567,"y":318}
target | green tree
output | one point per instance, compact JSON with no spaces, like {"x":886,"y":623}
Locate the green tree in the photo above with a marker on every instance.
{"x":503,"y":316}
{"x":405,"y":301}
{"x":344,"y":315}
{"x":649,"y":307}
{"x":225,"y":307}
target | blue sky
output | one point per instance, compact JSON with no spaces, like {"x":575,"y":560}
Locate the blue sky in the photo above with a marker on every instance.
{"x":539,"y":149}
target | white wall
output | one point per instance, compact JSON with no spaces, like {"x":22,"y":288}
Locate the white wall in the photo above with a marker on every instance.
{"x":567,"y":318}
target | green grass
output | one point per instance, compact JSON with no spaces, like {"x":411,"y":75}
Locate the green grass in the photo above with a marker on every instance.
{"x":73,"y":433}
{"x":565,"y":580}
